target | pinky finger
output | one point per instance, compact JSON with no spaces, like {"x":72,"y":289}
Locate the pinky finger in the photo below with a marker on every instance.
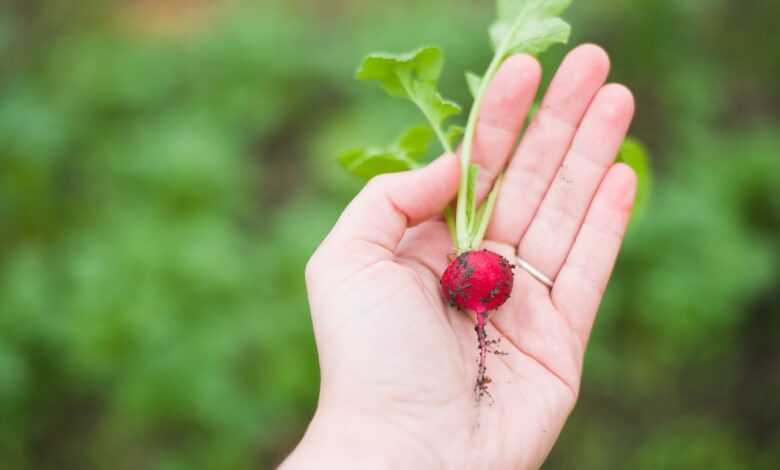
{"x":583,"y":279}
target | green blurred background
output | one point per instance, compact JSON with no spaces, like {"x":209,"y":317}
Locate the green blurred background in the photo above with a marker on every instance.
{"x":166,"y":169}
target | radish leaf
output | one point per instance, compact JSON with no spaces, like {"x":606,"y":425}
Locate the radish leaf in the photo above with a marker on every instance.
{"x":402,"y":155}
{"x":484,"y":214}
{"x":368,"y":163}
{"x":423,"y":65}
{"x":432,"y":104}
{"x":454,"y":134}
{"x":474,"y":81}
{"x":471,"y":199}
{"x":416,"y":142}
{"x":530,"y":26}
{"x":633,"y":154}
{"x":414,"y":75}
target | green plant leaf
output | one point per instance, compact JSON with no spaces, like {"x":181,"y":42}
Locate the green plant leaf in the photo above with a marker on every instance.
{"x":530,"y":26}
{"x":634,"y":154}
{"x":449,"y":217}
{"x":402,"y":155}
{"x":471,"y":200}
{"x":432,"y":104}
{"x":474,"y":82}
{"x":485,"y":212}
{"x":416,"y":142}
{"x":368,"y":162}
{"x":454,"y":134}
{"x":413,"y":75}
{"x":423,"y":65}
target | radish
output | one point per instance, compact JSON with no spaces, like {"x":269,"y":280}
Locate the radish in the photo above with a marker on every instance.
{"x":478,"y":281}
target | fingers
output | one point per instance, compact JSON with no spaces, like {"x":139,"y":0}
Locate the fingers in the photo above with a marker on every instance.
{"x":504,"y":110}
{"x":381,"y":213}
{"x":584,"y":276}
{"x":547,"y":139}
{"x":549,"y":238}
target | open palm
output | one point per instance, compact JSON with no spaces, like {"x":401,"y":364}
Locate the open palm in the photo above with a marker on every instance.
{"x":398,"y":364}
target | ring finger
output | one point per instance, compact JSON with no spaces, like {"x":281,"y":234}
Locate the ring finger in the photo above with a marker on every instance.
{"x":552,"y":232}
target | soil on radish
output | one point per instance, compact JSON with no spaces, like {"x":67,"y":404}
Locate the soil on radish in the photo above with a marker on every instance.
{"x":479,"y":282}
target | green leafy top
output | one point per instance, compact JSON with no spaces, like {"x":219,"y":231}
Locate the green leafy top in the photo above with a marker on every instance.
{"x":530,"y":26}
{"x":415,"y":76}
{"x":391,"y":70}
{"x":402,"y":155}
{"x":474,"y":83}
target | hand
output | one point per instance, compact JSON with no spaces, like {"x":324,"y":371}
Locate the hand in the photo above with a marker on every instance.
{"x":399,"y":365}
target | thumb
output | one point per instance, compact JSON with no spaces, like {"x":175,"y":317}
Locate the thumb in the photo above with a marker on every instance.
{"x":391,"y":203}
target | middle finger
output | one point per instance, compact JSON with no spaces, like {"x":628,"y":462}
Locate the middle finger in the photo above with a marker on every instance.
{"x":547,"y":139}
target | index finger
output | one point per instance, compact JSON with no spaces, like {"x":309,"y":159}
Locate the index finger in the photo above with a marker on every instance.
{"x":505,"y":107}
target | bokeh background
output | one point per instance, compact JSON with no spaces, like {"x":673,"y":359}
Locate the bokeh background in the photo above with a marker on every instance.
{"x":167,"y":167}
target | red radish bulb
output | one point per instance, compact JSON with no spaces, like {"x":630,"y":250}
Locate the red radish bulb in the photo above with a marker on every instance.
{"x":478,"y":282}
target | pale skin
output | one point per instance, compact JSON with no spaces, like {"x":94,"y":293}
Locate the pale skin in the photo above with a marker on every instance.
{"x":398,"y":364}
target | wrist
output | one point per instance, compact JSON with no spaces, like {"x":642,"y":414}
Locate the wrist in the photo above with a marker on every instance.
{"x":346,"y":439}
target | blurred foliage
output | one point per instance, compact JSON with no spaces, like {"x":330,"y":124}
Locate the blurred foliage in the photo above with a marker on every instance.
{"x":160,"y":194}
